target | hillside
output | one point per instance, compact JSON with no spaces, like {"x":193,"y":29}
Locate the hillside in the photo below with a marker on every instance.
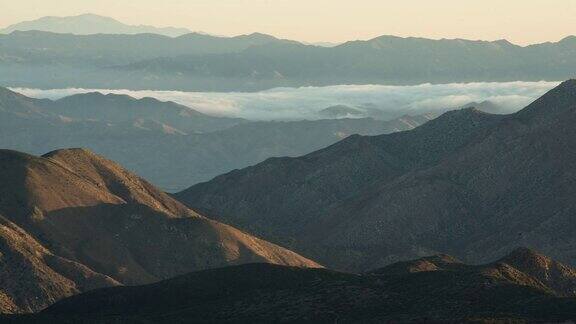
{"x":445,"y":291}
{"x":72,"y":221}
{"x":468,"y":183}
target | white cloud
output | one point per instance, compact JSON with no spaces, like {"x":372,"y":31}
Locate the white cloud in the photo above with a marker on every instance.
{"x":304,"y":103}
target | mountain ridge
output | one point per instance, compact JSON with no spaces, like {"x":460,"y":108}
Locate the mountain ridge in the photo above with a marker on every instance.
{"x":207,"y":63}
{"x":455,"y":292}
{"x":179,"y":32}
{"x":469,"y":184}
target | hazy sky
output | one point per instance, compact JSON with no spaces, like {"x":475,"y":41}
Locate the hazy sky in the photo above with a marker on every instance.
{"x":520,"y":21}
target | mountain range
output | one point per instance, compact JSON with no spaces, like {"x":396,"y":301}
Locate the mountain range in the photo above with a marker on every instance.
{"x":89,"y":24}
{"x":522,"y":287}
{"x":383,"y":60}
{"x":72,"y":221}
{"x":114,"y":50}
{"x":462,"y":214}
{"x":471,"y":184}
{"x":199,"y":62}
{"x":146,"y":135}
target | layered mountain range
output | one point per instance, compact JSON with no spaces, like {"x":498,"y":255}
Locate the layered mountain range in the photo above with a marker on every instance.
{"x":147,"y":135}
{"x":524,"y":286}
{"x":72,"y":221}
{"x":469,"y":183}
{"x":200,"y":62}
{"x":348,"y":218}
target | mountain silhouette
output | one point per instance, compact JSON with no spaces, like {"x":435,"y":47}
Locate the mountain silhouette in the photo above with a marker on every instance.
{"x":197,"y":62}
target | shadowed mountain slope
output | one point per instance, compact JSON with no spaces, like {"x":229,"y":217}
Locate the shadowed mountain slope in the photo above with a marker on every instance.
{"x":33,"y":277}
{"x":286,"y":199}
{"x":468,"y":183}
{"x":74,"y":220}
{"x":451,"y":291}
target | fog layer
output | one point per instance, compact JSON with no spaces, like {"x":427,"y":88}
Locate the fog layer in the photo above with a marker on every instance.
{"x":306,"y":102}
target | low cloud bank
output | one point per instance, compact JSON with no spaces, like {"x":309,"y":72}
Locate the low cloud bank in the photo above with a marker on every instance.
{"x":306,"y":102}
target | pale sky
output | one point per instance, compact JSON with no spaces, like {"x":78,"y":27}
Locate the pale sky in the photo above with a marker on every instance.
{"x":520,"y":21}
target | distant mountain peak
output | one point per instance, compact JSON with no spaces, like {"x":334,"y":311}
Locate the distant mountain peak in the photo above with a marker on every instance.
{"x":91,"y":16}
{"x":89,"y":24}
{"x":98,"y":98}
{"x":96,"y":95}
{"x":341,"y":111}
{"x":387,"y":38}
{"x":91,"y":94}
{"x":259,"y":35}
